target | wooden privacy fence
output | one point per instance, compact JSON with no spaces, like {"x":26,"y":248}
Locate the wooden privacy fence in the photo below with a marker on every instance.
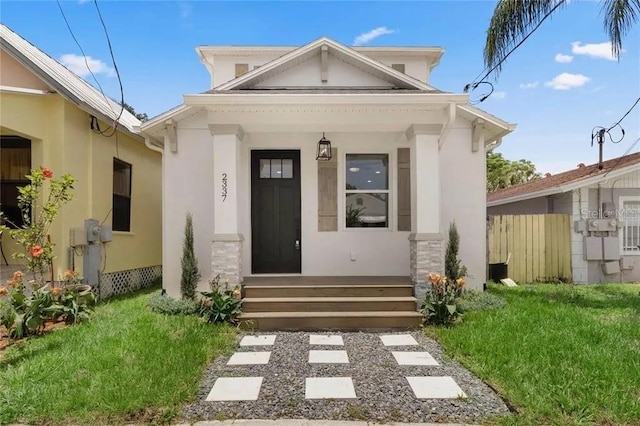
{"x":540,"y":246}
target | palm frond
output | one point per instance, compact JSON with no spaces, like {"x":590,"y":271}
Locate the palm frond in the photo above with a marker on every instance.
{"x":511,"y":23}
{"x":619,"y":17}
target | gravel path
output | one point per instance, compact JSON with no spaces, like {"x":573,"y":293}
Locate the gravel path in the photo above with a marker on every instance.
{"x":383,"y":393}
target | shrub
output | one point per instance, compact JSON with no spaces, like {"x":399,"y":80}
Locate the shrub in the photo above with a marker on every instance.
{"x":73,"y":301}
{"x":169,"y":306}
{"x":479,"y":301}
{"x":221,"y":304}
{"x":453,"y":268}
{"x":190,"y":272}
{"x":440,"y":304}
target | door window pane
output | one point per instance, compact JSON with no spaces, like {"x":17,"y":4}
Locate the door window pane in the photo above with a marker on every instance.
{"x":367,"y":171}
{"x":276,"y":168}
{"x":367,"y":210}
{"x":265,"y":168}
{"x":287,"y":169}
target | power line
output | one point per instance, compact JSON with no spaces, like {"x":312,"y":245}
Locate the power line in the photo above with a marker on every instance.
{"x":475,"y":81}
{"x":625,"y":116}
{"x":84,"y":56}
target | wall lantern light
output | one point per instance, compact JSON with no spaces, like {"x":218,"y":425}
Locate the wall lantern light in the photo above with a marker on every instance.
{"x":324,"y":149}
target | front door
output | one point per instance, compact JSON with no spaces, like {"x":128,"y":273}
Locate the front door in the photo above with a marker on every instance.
{"x":275,"y":212}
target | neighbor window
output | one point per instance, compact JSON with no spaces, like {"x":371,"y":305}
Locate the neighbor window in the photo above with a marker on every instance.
{"x":631,"y":225}
{"x":121,"y":196}
{"x":367,"y":191}
{"x":15,"y":164}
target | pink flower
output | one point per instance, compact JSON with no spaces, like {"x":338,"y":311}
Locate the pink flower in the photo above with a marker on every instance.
{"x":36,"y":251}
{"x":48,"y":174}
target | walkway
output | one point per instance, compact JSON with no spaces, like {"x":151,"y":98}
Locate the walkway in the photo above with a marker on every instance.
{"x":393,"y":377}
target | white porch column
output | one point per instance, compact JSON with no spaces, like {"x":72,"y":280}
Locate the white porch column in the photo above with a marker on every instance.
{"x":426,"y":243}
{"x":226,"y":252}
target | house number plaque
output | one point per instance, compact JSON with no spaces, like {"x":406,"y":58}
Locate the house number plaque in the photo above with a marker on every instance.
{"x":224,"y":187}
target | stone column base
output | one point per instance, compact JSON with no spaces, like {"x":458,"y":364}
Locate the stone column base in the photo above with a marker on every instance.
{"x":426,"y":253}
{"x":226,"y":258}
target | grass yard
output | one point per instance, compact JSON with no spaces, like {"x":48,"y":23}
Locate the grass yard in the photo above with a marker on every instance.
{"x":559,"y":354}
{"x":127,"y":364}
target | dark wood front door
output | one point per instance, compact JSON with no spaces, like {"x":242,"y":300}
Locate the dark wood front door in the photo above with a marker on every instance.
{"x":276,"y":245}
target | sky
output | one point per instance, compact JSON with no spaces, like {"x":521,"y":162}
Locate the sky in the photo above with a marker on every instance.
{"x":559,"y":85}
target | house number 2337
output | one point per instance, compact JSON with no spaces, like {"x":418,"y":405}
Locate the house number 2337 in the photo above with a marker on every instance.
{"x":225,"y":183}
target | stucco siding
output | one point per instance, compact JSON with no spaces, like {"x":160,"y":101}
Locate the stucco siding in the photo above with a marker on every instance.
{"x":463,"y":199}
{"x":561,"y":203}
{"x":63,"y":141}
{"x":14,"y":74}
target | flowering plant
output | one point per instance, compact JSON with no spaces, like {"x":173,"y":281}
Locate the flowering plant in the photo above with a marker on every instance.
{"x":221,"y":304}
{"x":440,"y":304}
{"x":38,"y":212}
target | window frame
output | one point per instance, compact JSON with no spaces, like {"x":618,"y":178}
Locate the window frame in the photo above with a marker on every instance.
{"x":121,"y":196}
{"x":343,"y":192}
{"x":623,"y":221}
{"x":17,"y":183}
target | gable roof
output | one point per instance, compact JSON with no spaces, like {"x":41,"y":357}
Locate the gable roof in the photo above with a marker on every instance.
{"x":64,"y":81}
{"x":300,"y":54}
{"x":566,"y":181}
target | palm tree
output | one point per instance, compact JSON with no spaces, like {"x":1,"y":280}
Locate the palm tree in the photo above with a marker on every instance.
{"x":514,"y":20}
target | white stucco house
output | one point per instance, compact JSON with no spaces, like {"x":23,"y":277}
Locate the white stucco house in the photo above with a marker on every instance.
{"x":242,"y":158}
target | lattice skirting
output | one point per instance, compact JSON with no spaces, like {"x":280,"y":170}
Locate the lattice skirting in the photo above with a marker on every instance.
{"x":122,"y":282}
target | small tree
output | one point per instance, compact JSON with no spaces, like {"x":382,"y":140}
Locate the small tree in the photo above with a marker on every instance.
{"x":190,"y":272}
{"x":453,"y":268}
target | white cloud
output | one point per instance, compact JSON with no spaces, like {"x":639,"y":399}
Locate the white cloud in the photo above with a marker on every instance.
{"x":594,"y":50}
{"x":365,"y":38}
{"x":566,"y":81}
{"x":531,"y":85}
{"x":498,"y":95}
{"x":76,"y":63}
{"x":563,"y":59}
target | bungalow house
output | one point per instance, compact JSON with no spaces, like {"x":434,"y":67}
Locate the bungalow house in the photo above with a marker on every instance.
{"x":603,"y":201}
{"x":51,"y":117}
{"x":323,"y":161}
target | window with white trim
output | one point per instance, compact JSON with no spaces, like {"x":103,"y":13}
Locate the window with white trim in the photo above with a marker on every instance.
{"x":630,"y":209}
{"x":367,"y":191}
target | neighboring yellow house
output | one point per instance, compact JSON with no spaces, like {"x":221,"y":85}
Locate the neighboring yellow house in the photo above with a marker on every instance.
{"x":51,"y":117}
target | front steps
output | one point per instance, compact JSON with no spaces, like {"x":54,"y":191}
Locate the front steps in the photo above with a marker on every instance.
{"x":326,"y":307}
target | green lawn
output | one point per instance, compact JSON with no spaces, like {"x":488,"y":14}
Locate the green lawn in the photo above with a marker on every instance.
{"x":127,"y":364}
{"x":559,"y":354}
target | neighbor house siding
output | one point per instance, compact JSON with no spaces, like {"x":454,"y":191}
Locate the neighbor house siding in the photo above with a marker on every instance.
{"x":538,"y":205}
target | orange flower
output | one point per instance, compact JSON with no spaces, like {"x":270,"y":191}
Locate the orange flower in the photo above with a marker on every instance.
{"x":56,"y":291}
{"x":68,"y":274}
{"x":460,"y":282}
{"x":236,"y":293}
{"x":17,"y":275}
{"x":36,"y":251}
{"x":3,"y":291}
{"x":11,"y":283}
{"x":48,"y":174}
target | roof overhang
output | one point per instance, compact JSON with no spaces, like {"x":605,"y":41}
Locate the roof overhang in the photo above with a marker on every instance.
{"x":561,"y":189}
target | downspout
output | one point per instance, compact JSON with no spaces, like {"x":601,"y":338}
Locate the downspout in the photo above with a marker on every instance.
{"x":151,"y":146}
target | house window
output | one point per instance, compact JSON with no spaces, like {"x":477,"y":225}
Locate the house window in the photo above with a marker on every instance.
{"x":121,"y":196}
{"x":398,"y":67}
{"x":15,"y":164}
{"x":241,"y":69}
{"x":367,"y":191}
{"x":631,"y":229}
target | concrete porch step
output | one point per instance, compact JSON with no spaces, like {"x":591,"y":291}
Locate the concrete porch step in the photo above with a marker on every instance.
{"x":345,"y":290}
{"x":328,"y":304}
{"x":330,"y":320}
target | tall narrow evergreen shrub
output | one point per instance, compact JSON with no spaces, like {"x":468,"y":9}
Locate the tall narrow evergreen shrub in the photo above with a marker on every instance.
{"x":453,"y":268}
{"x":190,"y":272}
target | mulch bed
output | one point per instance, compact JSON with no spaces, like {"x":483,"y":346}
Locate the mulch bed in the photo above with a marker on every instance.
{"x":49,"y":327}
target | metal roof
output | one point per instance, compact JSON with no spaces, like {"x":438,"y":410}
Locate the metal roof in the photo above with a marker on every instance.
{"x":64,"y":81}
